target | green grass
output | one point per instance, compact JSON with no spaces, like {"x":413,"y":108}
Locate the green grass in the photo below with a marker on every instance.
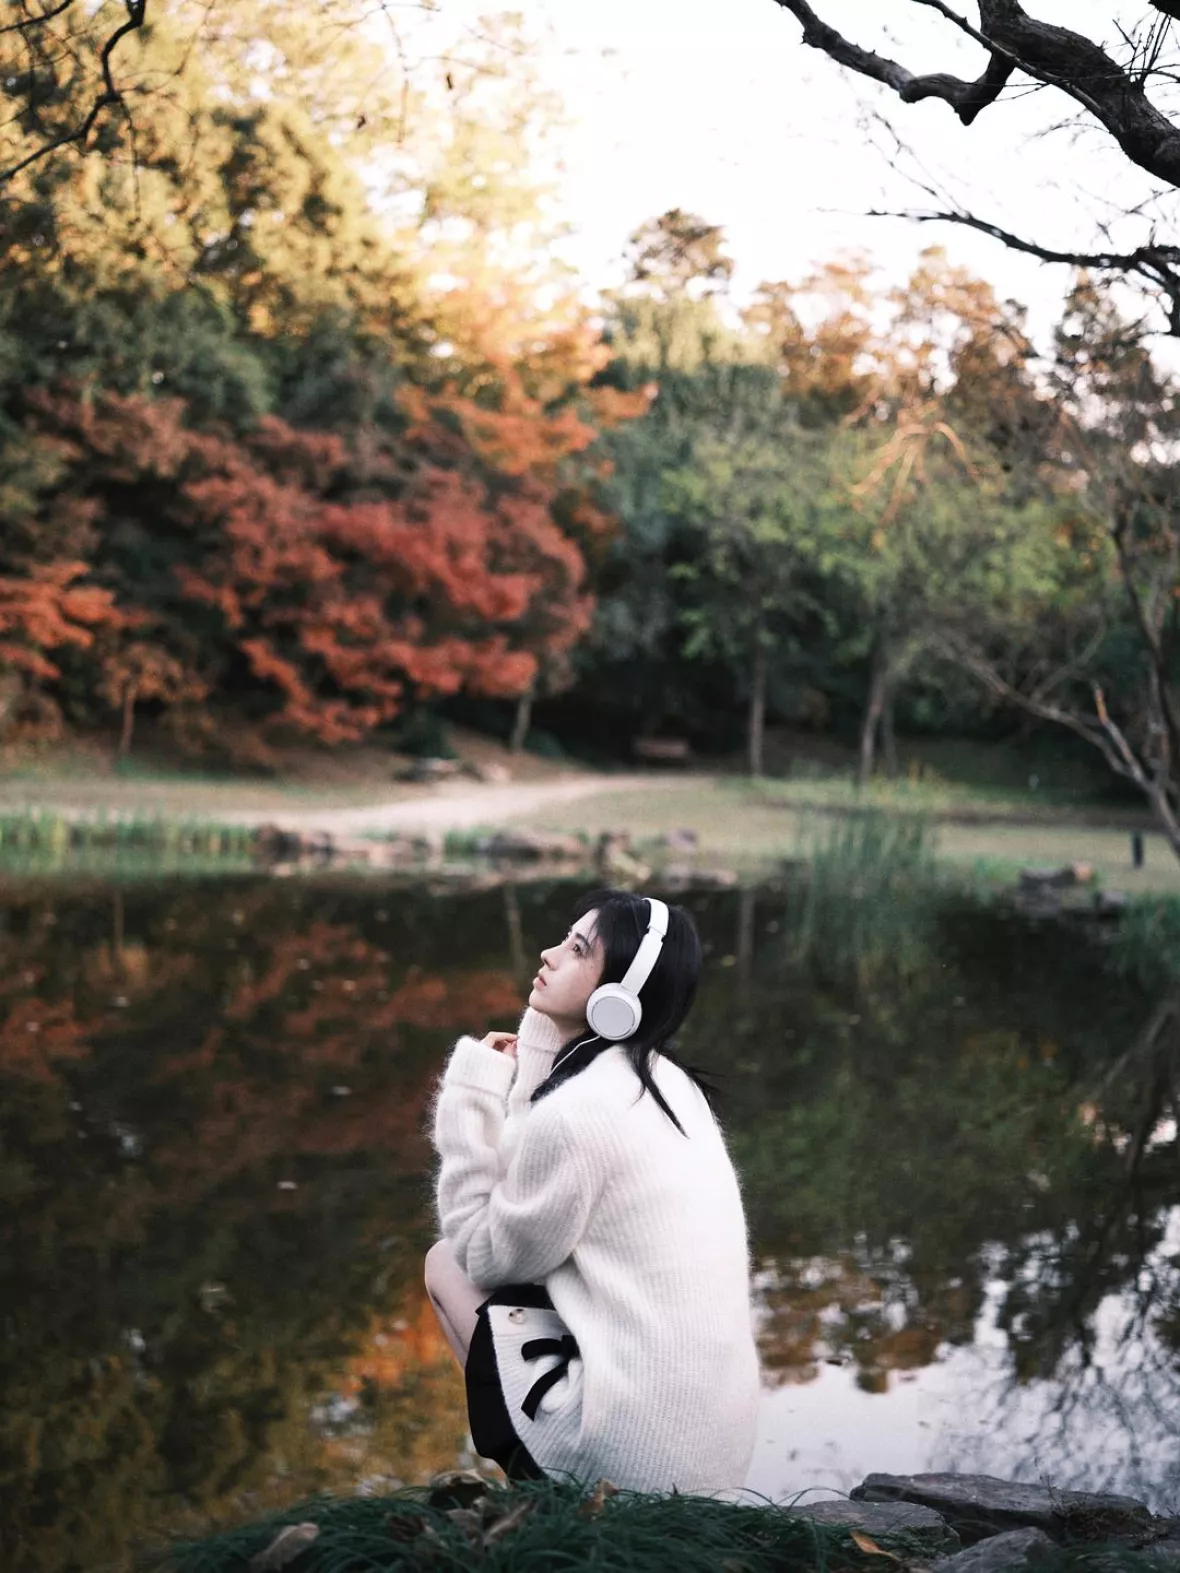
{"x":43,"y":830}
{"x":866,"y":902}
{"x":1147,"y":943}
{"x":747,"y":825}
{"x":544,"y":1526}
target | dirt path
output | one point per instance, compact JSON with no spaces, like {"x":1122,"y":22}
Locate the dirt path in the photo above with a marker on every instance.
{"x":448,"y":806}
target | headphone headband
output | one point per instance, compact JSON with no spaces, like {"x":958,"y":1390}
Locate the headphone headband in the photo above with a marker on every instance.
{"x":652,"y":942}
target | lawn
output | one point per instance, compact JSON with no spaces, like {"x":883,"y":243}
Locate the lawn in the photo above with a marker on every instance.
{"x":743,"y":823}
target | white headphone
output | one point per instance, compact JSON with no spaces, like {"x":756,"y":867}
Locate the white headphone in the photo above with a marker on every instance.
{"x":614,"y":1010}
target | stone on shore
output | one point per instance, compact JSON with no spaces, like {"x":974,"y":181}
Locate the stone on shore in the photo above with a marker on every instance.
{"x":1011,"y":1552}
{"x":921,"y":1524}
{"x":978,"y":1506}
{"x":531,"y":845}
{"x":686,"y":876}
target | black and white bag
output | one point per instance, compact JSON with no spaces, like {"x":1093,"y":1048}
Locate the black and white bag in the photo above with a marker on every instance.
{"x":519,"y":1351}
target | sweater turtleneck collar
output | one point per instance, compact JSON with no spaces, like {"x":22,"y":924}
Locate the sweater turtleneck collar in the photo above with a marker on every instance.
{"x":539,"y":1033}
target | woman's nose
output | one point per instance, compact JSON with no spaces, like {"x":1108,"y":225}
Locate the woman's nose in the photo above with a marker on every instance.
{"x":545,"y":955}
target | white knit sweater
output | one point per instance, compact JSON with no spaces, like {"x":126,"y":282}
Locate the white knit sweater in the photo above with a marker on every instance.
{"x":639,"y":1236}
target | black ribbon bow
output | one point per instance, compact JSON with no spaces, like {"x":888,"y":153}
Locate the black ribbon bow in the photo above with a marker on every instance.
{"x":566,"y":1347}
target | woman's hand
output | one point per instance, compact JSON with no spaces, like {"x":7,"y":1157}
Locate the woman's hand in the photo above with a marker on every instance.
{"x":502,"y":1042}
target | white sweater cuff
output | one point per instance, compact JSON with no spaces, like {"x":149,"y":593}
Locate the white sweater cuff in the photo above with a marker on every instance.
{"x":475,"y":1066}
{"x":537,"y":1031}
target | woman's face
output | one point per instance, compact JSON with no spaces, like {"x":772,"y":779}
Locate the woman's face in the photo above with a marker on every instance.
{"x":569,"y":975}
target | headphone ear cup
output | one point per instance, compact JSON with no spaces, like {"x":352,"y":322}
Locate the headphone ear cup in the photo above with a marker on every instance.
{"x":614,"y":1012}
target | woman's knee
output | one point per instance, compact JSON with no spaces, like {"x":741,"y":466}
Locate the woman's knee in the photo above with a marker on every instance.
{"x":440,"y":1267}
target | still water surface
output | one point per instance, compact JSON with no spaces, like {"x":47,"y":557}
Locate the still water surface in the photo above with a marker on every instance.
{"x":957,"y":1140}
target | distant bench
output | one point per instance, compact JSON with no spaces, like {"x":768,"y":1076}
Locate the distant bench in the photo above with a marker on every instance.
{"x":662,"y":750}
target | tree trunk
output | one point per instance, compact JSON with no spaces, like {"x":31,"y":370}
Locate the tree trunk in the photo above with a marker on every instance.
{"x":11,"y":689}
{"x":520,"y":966}
{"x":878,"y":694}
{"x":888,"y":738}
{"x":745,"y":938}
{"x":523,"y":720}
{"x":757,"y":723}
{"x":128,"y":720}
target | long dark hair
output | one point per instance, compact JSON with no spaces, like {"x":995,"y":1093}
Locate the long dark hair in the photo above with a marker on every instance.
{"x":666,"y":996}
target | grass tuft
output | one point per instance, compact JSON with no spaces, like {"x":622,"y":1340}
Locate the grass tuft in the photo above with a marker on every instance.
{"x":544,"y":1526}
{"x":867,"y":897}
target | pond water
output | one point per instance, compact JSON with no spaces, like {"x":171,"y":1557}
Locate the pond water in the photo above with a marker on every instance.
{"x":956,"y":1131}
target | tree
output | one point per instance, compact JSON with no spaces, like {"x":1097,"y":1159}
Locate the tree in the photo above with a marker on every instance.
{"x":1101,"y":655}
{"x":678,"y":254}
{"x":1129,"y":92}
{"x":751,"y":485}
{"x":931,"y":541}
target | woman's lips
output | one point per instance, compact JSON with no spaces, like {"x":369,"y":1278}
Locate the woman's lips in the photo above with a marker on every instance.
{"x":538,"y":982}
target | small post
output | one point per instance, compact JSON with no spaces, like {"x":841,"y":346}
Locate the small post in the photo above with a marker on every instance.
{"x":1137,"y":849}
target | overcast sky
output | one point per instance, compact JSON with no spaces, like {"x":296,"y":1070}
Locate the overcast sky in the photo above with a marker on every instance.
{"x":716,"y":107}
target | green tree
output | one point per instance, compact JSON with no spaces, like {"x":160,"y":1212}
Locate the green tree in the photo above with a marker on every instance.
{"x":753,"y":487}
{"x":1100,"y":655}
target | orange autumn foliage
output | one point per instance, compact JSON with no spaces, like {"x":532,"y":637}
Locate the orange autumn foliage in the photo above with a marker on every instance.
{"x":334,"y":581}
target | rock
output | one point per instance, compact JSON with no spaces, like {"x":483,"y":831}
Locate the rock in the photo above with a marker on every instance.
{"x":683,"y":876}
{"x":615,"y":859}
{"x":980,"y":1505}
{"x":683,"y":840}
{"x":1018,"y":1548}
{"x":392,"y":852}
{"x":456,"y":1488}
{"x":430,"y":770}
{"x":882,"y":1519}
{"x":612,"y":841}
{"x":1108,"y":903}
{"x":285,"y":851}
{"x":273,"y":844}
{"x":530,"y":845}
{"x":490,"y":772}
{"x":1041,"y":879}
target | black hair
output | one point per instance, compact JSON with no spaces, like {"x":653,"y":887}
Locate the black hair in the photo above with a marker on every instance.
{"x":666,"y":996}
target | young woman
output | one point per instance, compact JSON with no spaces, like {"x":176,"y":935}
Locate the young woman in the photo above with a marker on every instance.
{"x":593,"y":1275}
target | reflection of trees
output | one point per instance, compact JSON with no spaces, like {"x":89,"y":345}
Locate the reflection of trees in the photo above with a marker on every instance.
{"x":187,"y":1341}
{"x":188,"y":1344}
{"x":915,"y":1132}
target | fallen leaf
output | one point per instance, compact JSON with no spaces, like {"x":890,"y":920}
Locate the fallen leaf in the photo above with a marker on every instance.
{"x":469,"y":1520}
{"x":288,"y":1544}
{"x":870,"y":1547}
{"x":405,"y":1526}
{"x":592,"y":1506}
{"x":504,"y":1526}
{"x":456,"y":1488}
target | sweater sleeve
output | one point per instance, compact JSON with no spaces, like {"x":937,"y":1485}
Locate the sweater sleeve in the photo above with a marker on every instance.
{"x":519,"y":1226}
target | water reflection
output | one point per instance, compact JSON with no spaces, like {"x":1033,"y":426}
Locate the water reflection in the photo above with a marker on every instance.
{"x":959,"y":1152}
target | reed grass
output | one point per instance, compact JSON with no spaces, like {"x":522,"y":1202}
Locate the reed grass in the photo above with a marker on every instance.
{"x":40,"y":841}
{"x":868,"y":896}
{"x":1146,"y":943}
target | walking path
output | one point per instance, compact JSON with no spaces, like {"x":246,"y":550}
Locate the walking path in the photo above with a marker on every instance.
{"x":453,"y":805}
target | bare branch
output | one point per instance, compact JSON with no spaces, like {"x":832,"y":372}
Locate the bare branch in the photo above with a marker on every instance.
{"x":965,"y":98}
{"x":1015,"y":41}
{"x":1157,"y":265}
{"x":1149,"y":633}
{"x":27,"y":22}
{"x":1101,"y":731}
{"x":110,"y":97}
